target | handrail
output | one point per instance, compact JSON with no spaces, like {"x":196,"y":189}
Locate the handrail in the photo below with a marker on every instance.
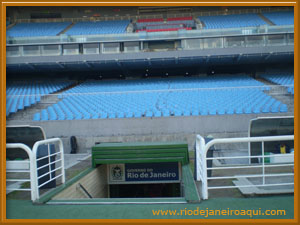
{"x":201,"y":159}
{"x":31,"y":167}
{"x":140,"y":36}
{"x":32,"y":154}
{"x":61,"y":151}
{"x":247,"y":139}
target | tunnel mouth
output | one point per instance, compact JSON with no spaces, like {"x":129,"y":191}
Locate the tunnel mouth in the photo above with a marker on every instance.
{"x":132,"y":173}
{"x":154,"y":190}
{"x":91,"y":187}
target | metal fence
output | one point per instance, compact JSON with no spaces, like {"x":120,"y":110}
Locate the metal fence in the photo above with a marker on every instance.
{"x":201,"y":163}
{"x":31,"y":166}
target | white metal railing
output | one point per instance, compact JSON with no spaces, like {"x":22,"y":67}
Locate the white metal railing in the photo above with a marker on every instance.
{"x":24,"y":167}
{"x":201,"y":162}
{"x":53,"y":172}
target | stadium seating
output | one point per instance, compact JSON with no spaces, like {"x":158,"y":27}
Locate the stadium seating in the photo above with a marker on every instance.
{"x":171,"y":24}
{"x":150,"y":20}
{"x":216,"y":95}
{"x":180,"y":18}
{"x":284,"y":79}
{"x":101,"y":27}
{"x":22,"y":94}
{"x":231,"y":21}
{"x":36,"y":29}
{"x":281,"y":18}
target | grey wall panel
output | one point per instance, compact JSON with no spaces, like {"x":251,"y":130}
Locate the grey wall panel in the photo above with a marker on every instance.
{"x":151,"y":55}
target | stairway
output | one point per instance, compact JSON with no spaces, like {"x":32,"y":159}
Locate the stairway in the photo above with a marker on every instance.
{"x":269,"y":22}
{"x":11,"y":25}
{"x":66,"y":29}
{"x":280,"y":93}
{"x":46,"y":101}
{"x":27,"y":114}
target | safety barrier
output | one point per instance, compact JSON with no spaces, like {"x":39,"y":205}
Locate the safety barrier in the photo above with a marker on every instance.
{"x":33,"y":168}
{"x":201,"y":162}
{"x":24,"y":166}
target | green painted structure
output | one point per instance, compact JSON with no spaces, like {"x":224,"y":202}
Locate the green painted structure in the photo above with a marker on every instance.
{"x":121,"y":153}
{"x":137,"y":152}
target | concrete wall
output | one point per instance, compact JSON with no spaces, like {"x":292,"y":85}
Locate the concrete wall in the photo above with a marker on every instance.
{"x":95,"y":183}
{"x":88,"y":132}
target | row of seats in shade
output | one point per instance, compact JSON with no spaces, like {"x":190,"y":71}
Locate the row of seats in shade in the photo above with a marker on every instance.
{"x":247,"y":20}
{"x":280,"y":18}
{"x":165,"y":84}
{"x":99,"y":27}
{"x":171,"y":24}
{"x":284,"y":79}
{"x":80,"y":28}
{"x":116,"y":27}
{"x":20,"y":95}
{"x":164,"y":104}
{"x":88,"y":101}
{"x":36,"y":29}
{"x":231,"y":21}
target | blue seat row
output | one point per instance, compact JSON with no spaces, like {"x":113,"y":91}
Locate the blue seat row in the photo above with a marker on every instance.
{"x":284,"y":79}
{"x":216,"y":95}
{"x":231,"y":21}
{"x":22,"y":94}
{"x":281,"y":18}
{"x":36,"y":29}
{"x":99,"y":27}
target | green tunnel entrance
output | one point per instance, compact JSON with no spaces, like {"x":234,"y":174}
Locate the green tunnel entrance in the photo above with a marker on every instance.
{"x":133,"y":172}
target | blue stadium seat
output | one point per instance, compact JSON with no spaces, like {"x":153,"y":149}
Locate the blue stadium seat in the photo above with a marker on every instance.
{"x":99,"y":27}
{"x":103,"y":115}
{"x":36,"y":29}
{"x":280,"y":18}
{"x":285,"y":79}
{"x":95,"y":115}
{"x":283,"y":108}
{"x":157,"y":114}
{"x":149,"y":114}
{"x":128,"y":114}
{"x":44,"y":115}
{"x":22,"y":94}
{"x":37,"y":117}
{"x":231,"y":21}
{"x":156,"y":97}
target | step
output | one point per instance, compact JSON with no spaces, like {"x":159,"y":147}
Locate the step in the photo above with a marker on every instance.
{"x":242,"y":181}
{"x":66,"y":29}
{"x":114,"y":201}
{"x":269,"y":22}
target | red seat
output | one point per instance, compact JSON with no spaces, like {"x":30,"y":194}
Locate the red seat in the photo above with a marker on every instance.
{"x":180,"y":18}
{"x":150,"y":20}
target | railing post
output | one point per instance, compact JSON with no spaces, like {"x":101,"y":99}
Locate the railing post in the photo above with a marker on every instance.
{"x":34,"y":159}
{"x":198,"y":158}
{"x":34,"y":174}
{"x":61,"y":149}
{"x":204,"y":172}
{"x":32,"y":167}
{"x":263,"y":161}
{"x":201,"y":167}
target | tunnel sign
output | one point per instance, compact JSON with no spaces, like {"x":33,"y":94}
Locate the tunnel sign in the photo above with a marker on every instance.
{"x":144,"y":172}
